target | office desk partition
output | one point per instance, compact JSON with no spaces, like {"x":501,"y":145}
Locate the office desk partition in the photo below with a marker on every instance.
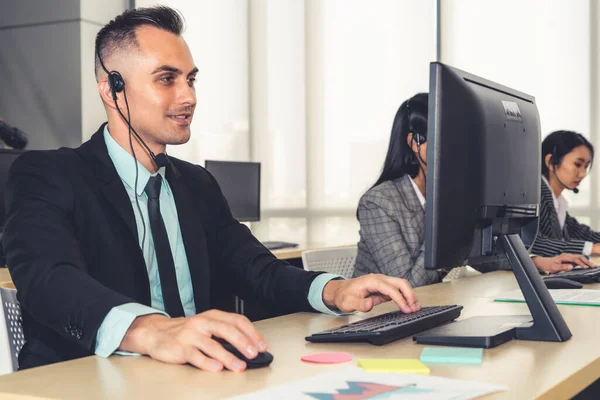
{"x":529,"y":369}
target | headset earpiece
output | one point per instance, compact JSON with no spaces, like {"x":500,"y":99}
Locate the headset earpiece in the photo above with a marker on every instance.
{"x":115,"y":80}
{"x":420,"y":139}
{"x":116,"y":83}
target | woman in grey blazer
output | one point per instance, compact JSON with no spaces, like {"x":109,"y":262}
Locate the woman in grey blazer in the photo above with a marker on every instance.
{"x":392,"y":212}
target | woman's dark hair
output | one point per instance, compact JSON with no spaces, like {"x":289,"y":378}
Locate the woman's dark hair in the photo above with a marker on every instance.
{"x":400,"y":160}
{"x":561,"y":143}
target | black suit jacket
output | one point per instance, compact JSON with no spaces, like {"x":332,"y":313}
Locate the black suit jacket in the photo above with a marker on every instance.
{"x":551,"y":239}
{"x":73,"y":252}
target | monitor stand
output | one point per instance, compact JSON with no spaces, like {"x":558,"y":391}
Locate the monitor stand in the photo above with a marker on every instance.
{"x":544,"y":324}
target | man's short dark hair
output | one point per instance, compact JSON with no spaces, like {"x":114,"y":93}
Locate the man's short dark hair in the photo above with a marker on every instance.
{"x":120,"y":32}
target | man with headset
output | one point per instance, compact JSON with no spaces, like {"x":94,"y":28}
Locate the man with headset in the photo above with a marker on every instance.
{"x":114,"y":247}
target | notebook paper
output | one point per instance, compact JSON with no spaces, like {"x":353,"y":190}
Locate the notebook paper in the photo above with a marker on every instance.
{"x":577,"y":297}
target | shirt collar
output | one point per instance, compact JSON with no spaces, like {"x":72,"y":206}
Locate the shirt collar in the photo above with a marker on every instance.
{"x":418,"y":192}
{"x":123,"y":162}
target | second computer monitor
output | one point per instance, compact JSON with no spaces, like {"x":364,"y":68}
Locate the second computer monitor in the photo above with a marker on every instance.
{"x":483,"y":194}
{"x":240,"y":183}
{"x":483,"y":172}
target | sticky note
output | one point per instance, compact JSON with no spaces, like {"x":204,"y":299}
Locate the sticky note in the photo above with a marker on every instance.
{"x":406,"y":366}
{"x":327,"y":358}
{"x":452,"y":355}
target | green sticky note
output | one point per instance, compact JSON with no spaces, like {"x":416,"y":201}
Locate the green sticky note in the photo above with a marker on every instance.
{"x":406,"y":366}
{"x":452,"y":355}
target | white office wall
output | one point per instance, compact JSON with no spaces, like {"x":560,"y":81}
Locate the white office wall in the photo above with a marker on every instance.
{"x":342,"y":68}
{"x":540,"y":47}
{"x":217,"y":34}
{"x":372,"y":56}
{"x":326,"y":80}
{"x":277,"y":105}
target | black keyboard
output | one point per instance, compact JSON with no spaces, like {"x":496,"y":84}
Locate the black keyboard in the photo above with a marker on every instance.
{"x":589,"y":275}
{"x":388,"y":327}
{"x":272,"y":245}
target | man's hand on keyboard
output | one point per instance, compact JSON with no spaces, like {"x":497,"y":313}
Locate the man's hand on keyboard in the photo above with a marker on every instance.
{"x":562,"y":262}
{"x":365,"y":292}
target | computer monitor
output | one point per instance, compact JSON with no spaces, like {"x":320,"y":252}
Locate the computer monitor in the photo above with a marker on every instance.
{"x":7,"y":157}
{"x":240,"y":183}
{"x":483,"y":191}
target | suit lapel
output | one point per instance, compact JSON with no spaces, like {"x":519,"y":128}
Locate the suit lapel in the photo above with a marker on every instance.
{"x":548,"y":198}
{"x":113,"y":189}
{"x":194,"y":238}
{"x":412,"y":203}
{"x":109,"y":186}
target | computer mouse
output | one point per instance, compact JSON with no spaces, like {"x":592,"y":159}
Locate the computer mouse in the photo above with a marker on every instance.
{"x":562,"y":283}
{"x":261,"y":360}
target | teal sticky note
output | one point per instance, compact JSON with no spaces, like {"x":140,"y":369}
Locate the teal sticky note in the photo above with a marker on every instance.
{"x":451,"y":355}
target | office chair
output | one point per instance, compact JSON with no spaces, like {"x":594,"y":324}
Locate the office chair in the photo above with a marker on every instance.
{"x":11,"y":332}
{"x":338,"y":261}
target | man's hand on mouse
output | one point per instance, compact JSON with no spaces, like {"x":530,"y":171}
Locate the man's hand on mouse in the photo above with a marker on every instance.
{"x":562,"y":262}
{"x":189,"y":340}
{"x":365,"y":292}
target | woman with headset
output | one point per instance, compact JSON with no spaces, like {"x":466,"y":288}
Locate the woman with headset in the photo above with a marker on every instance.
{"x":392,"y":212}
{"x":566,"y":160}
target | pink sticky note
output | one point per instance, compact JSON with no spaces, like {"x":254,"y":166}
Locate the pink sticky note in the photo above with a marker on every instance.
{"x":327,"y":358}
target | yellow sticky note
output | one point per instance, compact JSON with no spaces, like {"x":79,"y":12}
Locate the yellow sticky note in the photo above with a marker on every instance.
{"x":405,"y":366}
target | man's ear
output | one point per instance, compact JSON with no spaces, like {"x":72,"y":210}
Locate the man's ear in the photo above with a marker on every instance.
{"x":106,"y":93}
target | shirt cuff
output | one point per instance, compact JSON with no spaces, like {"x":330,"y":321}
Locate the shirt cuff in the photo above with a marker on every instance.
{"x":115,"y":326}
{"x":315,"y":294}
{"x":587,"y":248}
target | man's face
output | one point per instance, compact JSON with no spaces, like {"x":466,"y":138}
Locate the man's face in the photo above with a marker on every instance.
{"x":159,"y":82}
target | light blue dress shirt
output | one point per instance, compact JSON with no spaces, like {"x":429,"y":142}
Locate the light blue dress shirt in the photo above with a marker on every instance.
{"x":119,"y":319}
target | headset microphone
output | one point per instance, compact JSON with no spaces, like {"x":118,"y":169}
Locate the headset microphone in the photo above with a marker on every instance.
{"x":162,"y":160}
{"x":574,"y":190}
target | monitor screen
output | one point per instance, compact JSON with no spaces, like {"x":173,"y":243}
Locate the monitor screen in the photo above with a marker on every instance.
{"x":483,"y":168}
{"x":7,"y":157}
{"x":240,"y":183}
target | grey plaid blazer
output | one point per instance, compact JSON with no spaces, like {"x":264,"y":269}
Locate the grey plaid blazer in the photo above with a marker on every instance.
{"x":392,"y":228}
{"x":551,"y":240}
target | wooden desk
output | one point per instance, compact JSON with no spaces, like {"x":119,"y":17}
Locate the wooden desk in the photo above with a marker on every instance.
{"x":530,"y":369}
{"x":5,"y":278}
{"x":293,"y":252}
{"x":296,"y":252}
